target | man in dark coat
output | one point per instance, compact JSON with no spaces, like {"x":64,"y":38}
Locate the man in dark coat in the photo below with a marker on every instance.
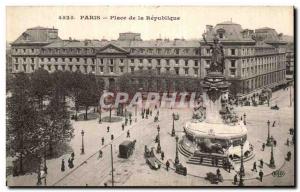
{"x":254,"y":167}
{"x":167,"y":165}
{"x":235,"y":180}
{"x":62,"y":165}
{"x":261,"y":174}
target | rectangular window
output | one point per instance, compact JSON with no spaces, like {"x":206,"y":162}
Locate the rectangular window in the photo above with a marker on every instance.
{"x":101,"y":69}
{"x":24,"y":68}
{"x":177,"y":70}
{"x":195,"y":71}
{"x":49,"y":67}
{"x":70,"y":59}
{"x":56,"y":67}
{"x":232,"y":51}
{"x":63,"y":59}
{"x":121,"y":69}
{"x":93,"y":68}
{"x":111,"y":69}
{"x":177,"y":61}
{"x":16,"y":60}
{"x":232,"y":63}
{"x":93,"y":61}
{"x":77,"y":59}
{"x":111,"y":61}
{"x":121,"y":60}
{"x":85,"y":68}
{"x":186,"y":62}
{"x":71,"y":67}
{"x":196,"y":63}
{"x":85,"y":60}
{"x":24,"y":59}
{"x":186,"y":71}
{"x":132,"y":69}
{"x":49,"y":59}
{"x":177,"y":51}
{"x":167,"y":62}
{"x":17,"y":67}
{"x":24,"y":50}
{"x":78,"y":67}
{"x":141,"y":60}
{"x":32,"y":60}
{"x":232,"y":72}
{"x":32,"y":50}
{"x":158,"y":70}
{"x":56,"y":59}
{"x":158,"y":61}
{"x":132,"y":60}
{"x":207,"y":51}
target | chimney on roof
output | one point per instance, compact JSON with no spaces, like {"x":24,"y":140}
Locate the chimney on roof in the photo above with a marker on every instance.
{"x":209,"y":28}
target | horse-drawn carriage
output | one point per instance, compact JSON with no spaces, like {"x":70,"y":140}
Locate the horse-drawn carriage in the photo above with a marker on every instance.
{"x":208,"y":147}
{"x":180,"y":169}
{"x":151,"y":159}
{"x":214,"y":178}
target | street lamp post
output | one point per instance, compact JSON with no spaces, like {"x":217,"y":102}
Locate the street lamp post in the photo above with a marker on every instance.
{"x":242,"y":169}
{"x":82,"y":144}
{"x":158,"y":150}
{"x":176,"y":156}
{"x":272,"y":161}
{"x":100,"y":111}
{"x":244,"y":118}
{"x":269,"y":142}
{"x":173,"y":126}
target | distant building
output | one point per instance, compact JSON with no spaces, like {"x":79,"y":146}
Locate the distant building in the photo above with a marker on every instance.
{"x":253,"y":59}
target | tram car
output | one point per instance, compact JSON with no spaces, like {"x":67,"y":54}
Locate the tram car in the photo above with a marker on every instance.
{"x":126,"y":149}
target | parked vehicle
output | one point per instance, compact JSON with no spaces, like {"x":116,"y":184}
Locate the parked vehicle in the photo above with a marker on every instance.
{"x":213,"y":178}
{"x":126,"y":148}
{"x":180,"y":169}
{"x":275,"y":107}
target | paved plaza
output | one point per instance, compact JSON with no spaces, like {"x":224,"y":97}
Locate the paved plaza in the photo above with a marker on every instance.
{"x":92,"y":170}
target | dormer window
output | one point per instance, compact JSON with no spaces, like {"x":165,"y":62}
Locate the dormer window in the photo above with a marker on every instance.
{"x":221,"y":33}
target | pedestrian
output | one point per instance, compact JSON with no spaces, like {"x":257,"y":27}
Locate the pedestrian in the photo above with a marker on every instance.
{"x":123,"y":126}
{"x":235,"y":180}
{"x":289,"y":154}
{"x":291,"y":131}
{"x":107,"y":129}
{"x":100,"y":153}
{"x":261,"y":163}
{"x":128,"y":133}
{"x":274,"y":142}
{"x":218,"y":172}
{"x":216,"y":161}
{"x":126,"y":121}
{"x":162,"y":155}
{"x":102,"y":140}
{"x":105,"y":184}
{"x":130,"y":121}
{"x":263,"y":146}
{"x":287,"y":142}
{"x":254,"y":167}
{"x":69,"y":163}
{"x":112,"y":137}
{"x":261,"y":174}
{"x":273,"y":124}
{"x":150,"y":112}
{"x":142,"y":115}
{"x":167,"y":165}
{"x":62,"y":165}
{"x":73,"y":155}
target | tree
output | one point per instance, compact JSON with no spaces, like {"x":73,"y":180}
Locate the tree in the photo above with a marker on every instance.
{"x":89,"y":94}
{"x":76,"y":85}
{"x":22,"y":120}
{"x":62,"y":82}
{"x":41,"y":84}
{"x":55,"y":124}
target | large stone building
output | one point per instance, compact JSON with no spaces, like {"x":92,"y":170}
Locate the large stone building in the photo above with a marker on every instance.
{"x":254,"y":59}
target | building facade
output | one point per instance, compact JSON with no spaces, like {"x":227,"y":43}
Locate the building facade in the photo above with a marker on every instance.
{"x":252,"y":63}
{"x":254,"y":59}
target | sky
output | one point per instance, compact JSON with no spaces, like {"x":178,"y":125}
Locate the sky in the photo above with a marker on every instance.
{"x":191,"y":24}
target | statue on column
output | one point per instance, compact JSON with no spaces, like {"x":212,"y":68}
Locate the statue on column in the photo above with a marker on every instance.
{"x":217,"y":59}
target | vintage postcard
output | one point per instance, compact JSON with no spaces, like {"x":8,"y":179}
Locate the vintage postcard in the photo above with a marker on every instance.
{"x":150,"y":96}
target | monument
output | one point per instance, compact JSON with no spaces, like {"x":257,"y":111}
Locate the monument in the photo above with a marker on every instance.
{"x":215,"y":133}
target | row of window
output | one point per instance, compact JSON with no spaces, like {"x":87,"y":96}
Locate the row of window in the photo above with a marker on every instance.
{"x":166,"y":51}
{"x":265,"y":80}
{"x":110,"y":68}
{"x":110,"y":61}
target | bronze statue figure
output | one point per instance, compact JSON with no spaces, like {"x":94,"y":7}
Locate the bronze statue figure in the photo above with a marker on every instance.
{"x":217,"y":59}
